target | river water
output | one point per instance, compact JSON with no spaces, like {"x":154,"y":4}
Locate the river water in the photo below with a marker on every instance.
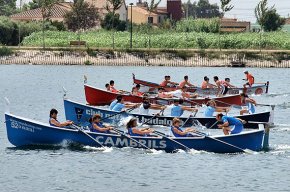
{"x":34,"y":90}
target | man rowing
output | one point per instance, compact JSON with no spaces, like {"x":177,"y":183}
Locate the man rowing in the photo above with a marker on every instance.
{"x":183,"y":94}
{"x":97,"y":125}
{"x":146,"y":105}
{"x":119,"y":104}
{"x":249,"y":104}
{"x":177,"y":110}
{"x":205,"y":84}
{"x":178,"y":132}
{"x":113,"y":89}
{"x":136,"y":92}
{"x":108,"y":88}
{"x":212,"y":108}
{"x":167,"y":83}
{"x":163,"y":94}
{"x":222,"y":89}
{"x":185,"y":82}
{"x":54,"y":122}
{"x":249,"y":78}
{"x":134,"y":131}
{"x":231,"y":125}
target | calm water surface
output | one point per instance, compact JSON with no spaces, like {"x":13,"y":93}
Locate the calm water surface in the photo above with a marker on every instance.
{"x":34,"y":90}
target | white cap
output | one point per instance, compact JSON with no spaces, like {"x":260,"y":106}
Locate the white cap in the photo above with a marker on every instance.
{"x":245,"y":71}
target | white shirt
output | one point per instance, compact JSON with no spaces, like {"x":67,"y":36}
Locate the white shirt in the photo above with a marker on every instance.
{"x":176,"y":93}
{"x":143,"y":111}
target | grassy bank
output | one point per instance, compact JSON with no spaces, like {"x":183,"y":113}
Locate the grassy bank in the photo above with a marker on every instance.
{"x":165,"y":40}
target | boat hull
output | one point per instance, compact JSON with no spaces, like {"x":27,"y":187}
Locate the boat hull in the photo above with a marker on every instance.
{"x":24,"y":132}
{"x":95,"y":96}
{"x":80,"y":114}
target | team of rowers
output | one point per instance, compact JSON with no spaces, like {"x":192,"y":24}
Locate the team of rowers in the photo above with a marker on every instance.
{"x":231,"y":125}
{"x":182,"y":87}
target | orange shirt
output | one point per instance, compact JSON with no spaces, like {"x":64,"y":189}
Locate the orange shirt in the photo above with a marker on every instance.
{"x":250,"y":78}
{"x":164,"y":83}
{"x":113,"y":90}
{"x":204,"y":85}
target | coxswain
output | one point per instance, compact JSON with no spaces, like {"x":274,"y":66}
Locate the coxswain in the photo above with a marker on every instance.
{"x":134,"y":131}
{"x":54,"y":122}
{"x":205,"y":84}
{"x":178,"y":132}
{"x":177,"y":110}
{"x":185,"y":82}
{"x":211,"y":108}
{"x":97,"y":125}
{"x":231,"y":125}
{"x":249,"y":78}
{"x":249,"y":104}
{"x":146,"y":105}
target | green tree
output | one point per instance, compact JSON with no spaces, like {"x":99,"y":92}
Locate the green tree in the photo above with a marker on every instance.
{"x":268,"y":18}
{"x":225,"y":6}
{"x":201,"y":9}
{"x":82,"y":16}
{"x":7,"y":7}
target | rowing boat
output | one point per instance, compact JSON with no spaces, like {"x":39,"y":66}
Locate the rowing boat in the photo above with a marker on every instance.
{"x":257,"y":89}
{"x":80,"y":114}
{"x":23,"y":132}
{"x":95,"y":96}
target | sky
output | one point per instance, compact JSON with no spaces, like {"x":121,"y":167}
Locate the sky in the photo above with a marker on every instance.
{"x":243,"y":9}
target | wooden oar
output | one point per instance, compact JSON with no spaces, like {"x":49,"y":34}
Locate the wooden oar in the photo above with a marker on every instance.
{"x":213,"y":125}
{"x":188,"y":119}
{"x":164,"y":136}
{"x":80,"y":129}
{"x":118,"y":113}
{"x":123,"y":134}
{"x":243,"y":150}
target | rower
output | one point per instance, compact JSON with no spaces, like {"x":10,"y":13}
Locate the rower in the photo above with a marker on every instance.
{"x":178,"y":132}
{"x":249,"y":103}
{"x":249,"y":78}
{"x":146,"y":105}
{"x":97,"y":125}
{"x":112,"y":88}
{"x":108,"y":87}
{"x":112,"y":105}
{"x":163,"y":94}
{"x":54,"y":122}
{"x":227,"y":82}
{"x":167,"y":82}
{"x":231,"y":125}
{"x":134,"y":131}
{"x":135,"y":92}
{"x":205,"y":84}
{"x":185,"y":82}
{"x":138,"y":86}
{"x":120,"y":105}
{"x":176,"y":109}
{"x":211,"y":108}
{"x":222,"y":90}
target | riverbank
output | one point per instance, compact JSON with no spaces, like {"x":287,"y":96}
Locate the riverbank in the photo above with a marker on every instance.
{"x":146,"y":57}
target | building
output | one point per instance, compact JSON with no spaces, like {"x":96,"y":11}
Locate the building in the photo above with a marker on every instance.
{"x":233,"y":25}
{"x":102,"y":4}
{"x":287,"y":21}
{"x":141,"y":15}
{"x":58,"y":11}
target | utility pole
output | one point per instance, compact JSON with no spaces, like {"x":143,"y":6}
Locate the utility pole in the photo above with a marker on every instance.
{"x":131,"y":28}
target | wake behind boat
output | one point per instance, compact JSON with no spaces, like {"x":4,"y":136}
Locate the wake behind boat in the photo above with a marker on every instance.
{"x":26,"y":132}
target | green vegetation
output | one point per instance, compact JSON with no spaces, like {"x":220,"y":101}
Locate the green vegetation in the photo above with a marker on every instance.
{"x":5,"y":51}
{"x":198,"y":25}
{"x":165,"y":40}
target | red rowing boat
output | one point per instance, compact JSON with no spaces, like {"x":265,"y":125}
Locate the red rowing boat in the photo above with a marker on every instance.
{"x":95,"y":96}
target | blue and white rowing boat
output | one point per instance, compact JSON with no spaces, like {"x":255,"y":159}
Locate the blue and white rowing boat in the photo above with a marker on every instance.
{"x":80,"y":114}
{"x":25,"y":132}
